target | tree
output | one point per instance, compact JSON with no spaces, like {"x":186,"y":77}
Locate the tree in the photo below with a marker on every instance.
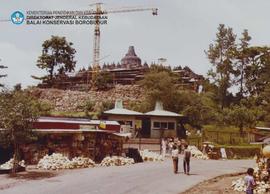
{"x":103,"y":80}
{"x":258,"y":71}
{"x":160,"y":86}
{"x":159,"y":68}
{"x":18,"y":111}
{"x":242,"y":55}
{"x":221,"y":56}
{"x":2,"y":67}
{"x":241,"y":117}
{"x":264,"y":101}
{"x":57,"y":58}
{"x":200,"y":111}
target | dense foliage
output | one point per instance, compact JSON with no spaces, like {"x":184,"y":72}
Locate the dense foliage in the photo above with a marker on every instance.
{"x":57,"y":58}
{"x":18,"y":111}
{"x":236,"y":66}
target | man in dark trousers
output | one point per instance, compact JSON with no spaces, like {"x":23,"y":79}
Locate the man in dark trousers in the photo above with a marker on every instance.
{"x":186,"y":161}
{"x":175,"y":154}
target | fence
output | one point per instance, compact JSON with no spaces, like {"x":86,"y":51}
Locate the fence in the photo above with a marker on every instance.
{"x":197,"y":141}
{"x":221,"y":137}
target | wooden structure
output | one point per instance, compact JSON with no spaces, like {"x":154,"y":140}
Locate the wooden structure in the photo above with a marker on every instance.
{"x":154,"y":124}
{"x":260,"y":134}
{"x":95,"y":144}
{"x":163,"y":123}
{"x":129,"y":120}
{"x":74,"y":137}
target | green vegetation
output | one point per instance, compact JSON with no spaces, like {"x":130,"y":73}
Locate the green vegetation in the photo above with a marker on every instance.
{"x":103,"y":80}
{"x":18,"y":111}
{"x":220,"y":55}
{"x":235,"y":65}
{"x":89,"y":108}
{"x":67,"y":114}
{"x":243,"y":146}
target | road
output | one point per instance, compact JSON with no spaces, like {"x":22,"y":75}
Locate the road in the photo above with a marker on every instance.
{"x":142,"y":178}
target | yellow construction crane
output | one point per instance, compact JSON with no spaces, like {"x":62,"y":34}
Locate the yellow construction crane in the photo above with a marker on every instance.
{"x":96,"y":47}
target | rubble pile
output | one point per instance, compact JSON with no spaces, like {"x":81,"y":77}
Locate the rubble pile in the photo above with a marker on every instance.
{"x":261,"y":186}
{"x":116,"y":161}
{"x":58,"y":161}
{"x":82,"y":162}
{"x":9,"y":164}
{"x":150,"y":156}
{"x":67,"y":100}
{"x":196,"y":153}
{"x":239,"y":185}
{"x":54,"y":162}
{"x":261,"y":179}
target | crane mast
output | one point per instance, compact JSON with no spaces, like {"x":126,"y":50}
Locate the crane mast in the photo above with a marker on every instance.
{"x":96,"y":47}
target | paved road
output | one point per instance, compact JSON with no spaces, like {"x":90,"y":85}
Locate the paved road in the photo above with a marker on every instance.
{"x":143,"y":178}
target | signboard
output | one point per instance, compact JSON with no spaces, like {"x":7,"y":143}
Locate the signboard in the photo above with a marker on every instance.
{"x":223,"y":153}
{"x":138,"y":124}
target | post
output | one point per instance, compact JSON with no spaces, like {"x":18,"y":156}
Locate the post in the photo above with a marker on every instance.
{"x":160,"y":140}
{"x":95,"y":145}
{"x":140,"y":138}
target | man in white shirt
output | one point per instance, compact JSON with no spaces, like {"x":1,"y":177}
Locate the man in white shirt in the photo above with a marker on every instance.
{"x":163,"y":146}
{"x":175,"y":154}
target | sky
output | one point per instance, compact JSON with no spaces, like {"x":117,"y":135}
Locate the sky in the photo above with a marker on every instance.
{"x":181,"y":32}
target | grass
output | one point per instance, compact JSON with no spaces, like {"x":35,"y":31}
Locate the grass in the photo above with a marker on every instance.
{"x":67,"y":114}
{"x":215,"y":128}
{"x":242,"y":146}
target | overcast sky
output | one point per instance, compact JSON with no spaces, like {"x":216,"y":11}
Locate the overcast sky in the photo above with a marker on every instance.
{"x":180,"y":33}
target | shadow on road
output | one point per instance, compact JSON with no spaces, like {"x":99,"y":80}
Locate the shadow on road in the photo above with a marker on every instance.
{"x":33,"y":175}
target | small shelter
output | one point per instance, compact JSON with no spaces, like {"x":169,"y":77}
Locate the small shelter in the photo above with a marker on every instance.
{"x":163,"y":123}
{"x":259,"y":134}
{"x":128,"y":119}
{"x":74,"y":137}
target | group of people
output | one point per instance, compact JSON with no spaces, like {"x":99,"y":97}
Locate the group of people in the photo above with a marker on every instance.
{"x":186,"y":159}
{"x":175,"y":147}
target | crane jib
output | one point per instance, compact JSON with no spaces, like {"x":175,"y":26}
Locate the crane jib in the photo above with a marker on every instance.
{"x":100,"y":17}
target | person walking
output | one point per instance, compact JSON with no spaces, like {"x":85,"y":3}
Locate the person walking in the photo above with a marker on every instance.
{"x":249,"y":181}
{"x":175,"y":154}
{"x":163,"y":147}
{"x":186,"y":160}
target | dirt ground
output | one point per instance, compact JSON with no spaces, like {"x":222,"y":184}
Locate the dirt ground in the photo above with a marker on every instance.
{"x":8,"y":180}
{"x":218,"y":185}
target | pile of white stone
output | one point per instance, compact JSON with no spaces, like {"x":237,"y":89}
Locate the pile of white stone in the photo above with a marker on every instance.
{"x":260,"y":173}
{"x":239,"y":185}
{"x":116,"y":161}
{"x":150,"y":156}
{"x":9,"y":164}
{"x":82,"y":162}
{"x":58,"y":161}
{"x":196,"y":153}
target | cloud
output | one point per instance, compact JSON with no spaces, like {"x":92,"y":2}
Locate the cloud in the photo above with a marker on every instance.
{"x":20,"y":65}
{"x":180,"y":33}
